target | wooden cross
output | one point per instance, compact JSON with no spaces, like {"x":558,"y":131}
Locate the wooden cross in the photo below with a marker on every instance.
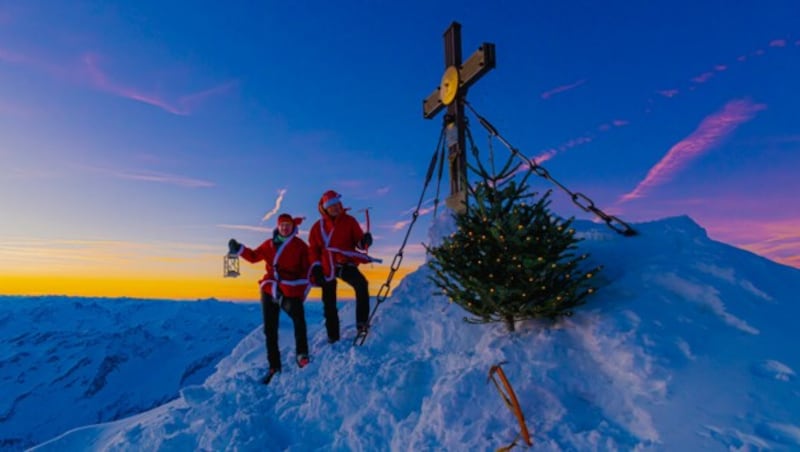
{"x":456,"y":80}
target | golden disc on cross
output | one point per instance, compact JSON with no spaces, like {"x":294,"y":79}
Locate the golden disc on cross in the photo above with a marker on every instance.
{"x":449,"y":87}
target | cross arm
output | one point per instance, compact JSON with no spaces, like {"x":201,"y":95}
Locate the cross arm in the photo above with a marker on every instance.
{"x":478,"y":64}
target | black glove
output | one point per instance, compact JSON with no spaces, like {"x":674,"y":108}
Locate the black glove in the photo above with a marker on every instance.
{"x":317,"y":275}
{"x":234,"y":246}
{"x":366,"y":241}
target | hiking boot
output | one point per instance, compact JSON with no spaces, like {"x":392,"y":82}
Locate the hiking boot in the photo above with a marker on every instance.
{"x":363,"y":329}
{"x":332,"y":340}
{"x":302,"y":361}
{"x":270,"y":373}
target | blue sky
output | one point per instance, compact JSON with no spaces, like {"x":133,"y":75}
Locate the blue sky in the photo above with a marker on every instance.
{"x":137,"y":137}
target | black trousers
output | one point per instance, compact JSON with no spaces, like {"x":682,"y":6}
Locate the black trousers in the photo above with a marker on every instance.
{"x":271,"y":311}
{"x":352,"y":276}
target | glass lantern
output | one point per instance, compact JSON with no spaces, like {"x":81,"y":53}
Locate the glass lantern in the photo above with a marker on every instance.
{"x":231,"y":266}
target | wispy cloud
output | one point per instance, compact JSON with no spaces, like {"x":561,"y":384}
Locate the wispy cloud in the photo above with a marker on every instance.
{"x":152,"y":176}
{"x":240,"y":227}
{"x":668,"y":92}
{"x":400,"y":225}
{"x":95,"y":257}
{"x":560,"y":89}
{"x":426,"y":208}
{"x":776,"y":239}
{"x":18,"y":59}
{"x":711,"y":131}
{"x":702,"y":78}
{"x":88,"y":71}
{"x":277,"y":207}
{"x":778,"y":43}
{"x":382,"y":191}
{"x":185,"y":105}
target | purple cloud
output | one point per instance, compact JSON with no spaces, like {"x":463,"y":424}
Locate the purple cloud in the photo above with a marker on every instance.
{"x":702,"y":78}
{"x":668,"y":92}
{"x":184,"y":106}
{"x":711,"y":131}
{"x":152,"y":176}
{"x":560,"y":89}
{"x":89,"y":72}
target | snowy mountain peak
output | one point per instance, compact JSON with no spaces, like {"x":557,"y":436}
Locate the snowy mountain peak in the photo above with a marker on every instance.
{"x":689,"y":344}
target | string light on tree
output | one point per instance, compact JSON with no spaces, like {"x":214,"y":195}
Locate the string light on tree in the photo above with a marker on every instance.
{"x":498,"y":254}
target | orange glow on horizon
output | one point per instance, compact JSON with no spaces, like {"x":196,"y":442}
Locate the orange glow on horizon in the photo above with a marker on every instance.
{"x":243,"y":288}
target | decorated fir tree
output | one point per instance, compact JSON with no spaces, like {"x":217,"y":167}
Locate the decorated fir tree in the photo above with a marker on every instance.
{"x":510,"y":258}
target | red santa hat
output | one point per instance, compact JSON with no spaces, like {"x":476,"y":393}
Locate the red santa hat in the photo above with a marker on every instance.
{"x":286,"y":218}
{"x":330,"y":198}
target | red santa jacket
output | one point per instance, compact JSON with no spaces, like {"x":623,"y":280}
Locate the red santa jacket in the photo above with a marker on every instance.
{"x":286,"y":265}
{"x":332,"y":242}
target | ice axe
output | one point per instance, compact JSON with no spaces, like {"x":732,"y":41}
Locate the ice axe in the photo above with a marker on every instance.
{"x":366,"y":213}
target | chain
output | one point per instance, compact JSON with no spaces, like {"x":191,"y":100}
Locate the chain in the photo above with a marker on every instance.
{"x":579,"y":199}
{"x":383,"y":292}
{"x":439,"y":181}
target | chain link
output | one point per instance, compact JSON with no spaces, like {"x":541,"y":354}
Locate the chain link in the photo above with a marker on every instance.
{"x":383,"y":292}
{"x":577,"y":198}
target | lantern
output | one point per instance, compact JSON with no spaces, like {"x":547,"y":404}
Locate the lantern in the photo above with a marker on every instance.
{"x":231,"y":266}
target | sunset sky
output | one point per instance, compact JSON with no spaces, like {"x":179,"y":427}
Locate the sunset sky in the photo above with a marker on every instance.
{"x":136,"y":138}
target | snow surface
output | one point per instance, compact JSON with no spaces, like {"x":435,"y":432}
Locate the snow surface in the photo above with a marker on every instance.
{"x":689,"y":344}
{"x":69,"y":362}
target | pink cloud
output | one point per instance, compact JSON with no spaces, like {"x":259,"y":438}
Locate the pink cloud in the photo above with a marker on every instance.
{"x":668,"y":92}
{"x":560,"y":89}
{"x":778,"y":43}
{"x":711,"y":131}
{"x":720,"y":67}
{"x":547,"y":154}
{"x":758,"y":52}
{"x":152,"y":176}
{"x":400,"y":225}
{"x":89,"y":72}
{"x":184,"y":106}
{"x":619,"y":122}
{"x":741,"y":58}
{"x":776,"y":239}
{"x":702,"y":78}
{"x":245,"y":227}
{"x":575,"y":142}
{"x":544,"y":156}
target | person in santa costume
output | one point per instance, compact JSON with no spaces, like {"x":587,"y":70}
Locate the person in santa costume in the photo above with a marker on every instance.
{"x":285,"y":285}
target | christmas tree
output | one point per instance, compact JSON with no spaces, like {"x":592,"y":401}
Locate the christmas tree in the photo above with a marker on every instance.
{"x":510,"y":258}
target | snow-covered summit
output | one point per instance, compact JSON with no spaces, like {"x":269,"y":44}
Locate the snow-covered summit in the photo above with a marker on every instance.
{"x":689,"y":344}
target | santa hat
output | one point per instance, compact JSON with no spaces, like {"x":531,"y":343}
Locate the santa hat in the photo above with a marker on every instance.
{"x":330,"y":198}
{"x":286,"y":218}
